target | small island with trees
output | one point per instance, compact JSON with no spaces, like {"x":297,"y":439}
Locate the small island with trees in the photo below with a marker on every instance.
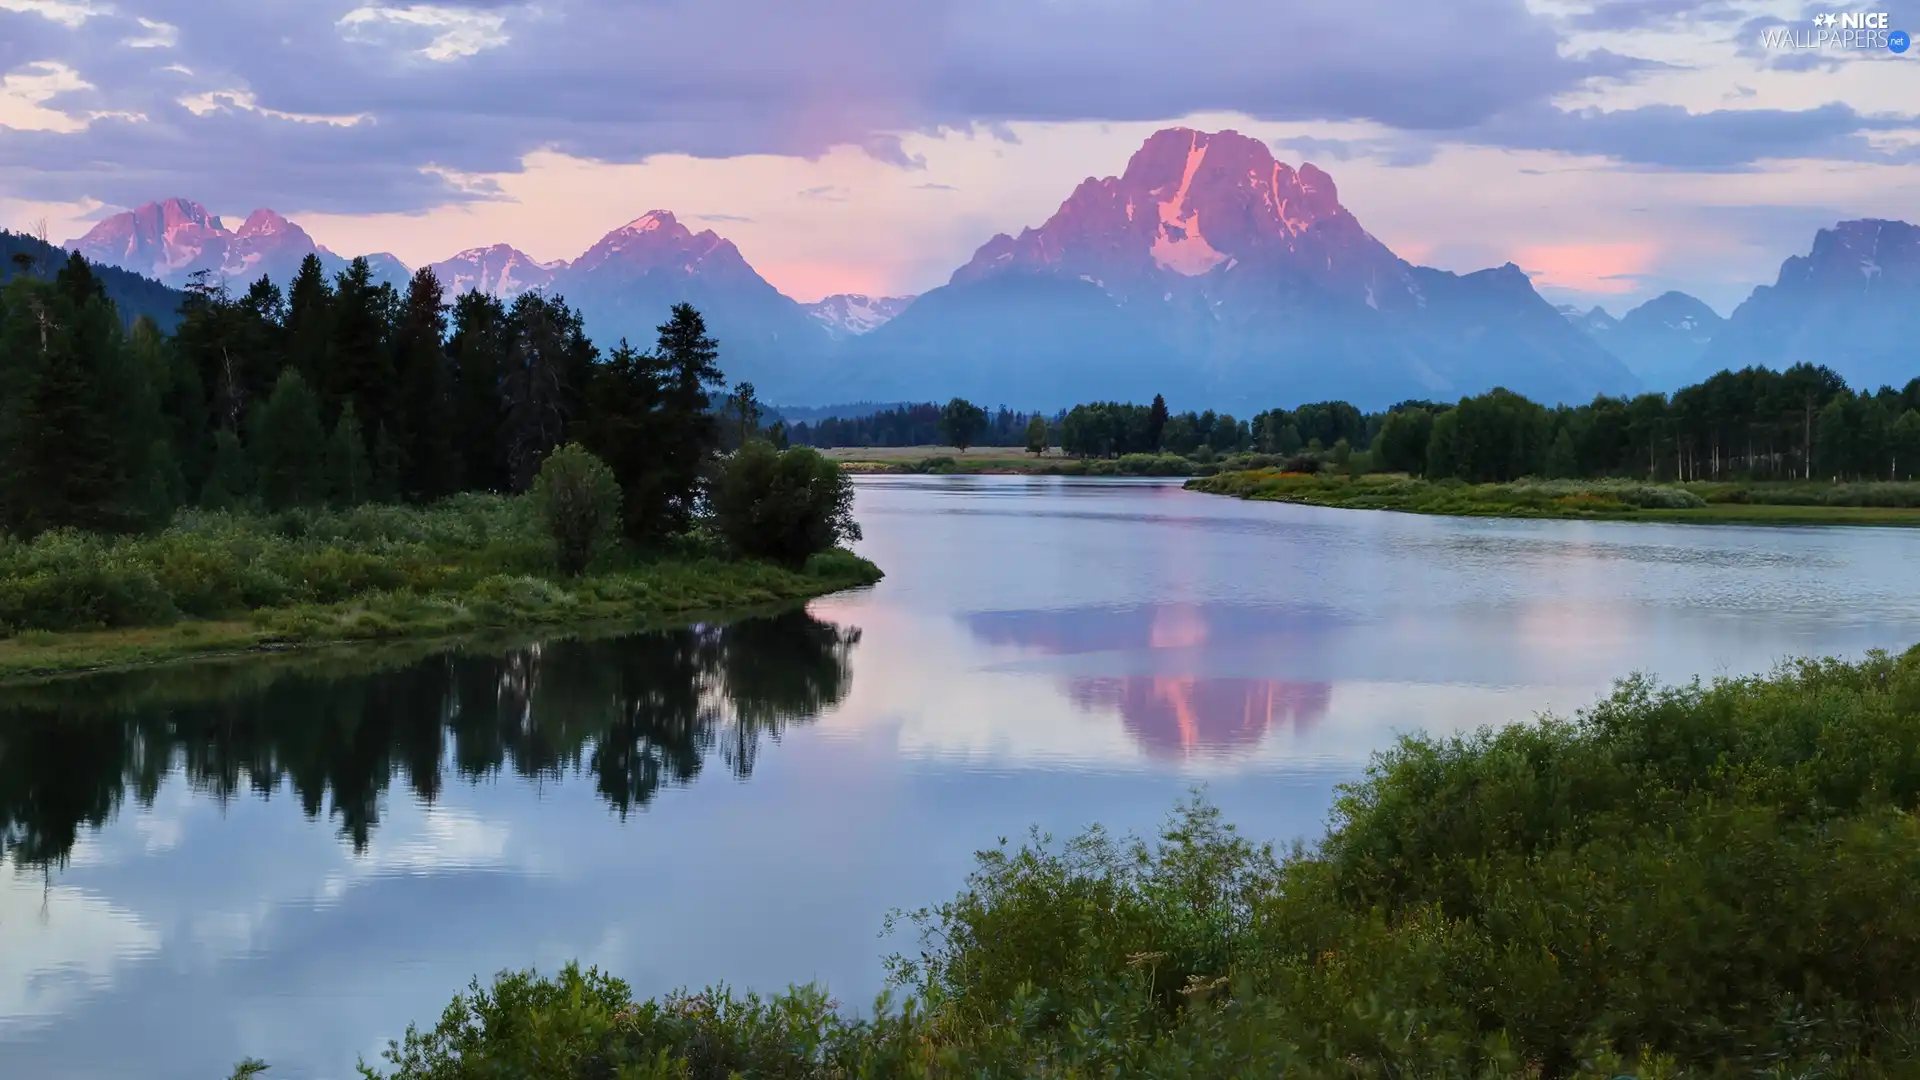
{"x":350,"y":461}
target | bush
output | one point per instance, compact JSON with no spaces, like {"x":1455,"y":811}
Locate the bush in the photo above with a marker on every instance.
{"x":783,"y":505}
{"x":578,"y":501}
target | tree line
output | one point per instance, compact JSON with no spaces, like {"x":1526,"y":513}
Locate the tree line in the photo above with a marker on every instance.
{"x":336,"y":391}
{"x":1803,"y":423}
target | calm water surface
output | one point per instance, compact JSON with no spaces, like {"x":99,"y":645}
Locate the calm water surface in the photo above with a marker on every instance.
{"x":292,"y":859}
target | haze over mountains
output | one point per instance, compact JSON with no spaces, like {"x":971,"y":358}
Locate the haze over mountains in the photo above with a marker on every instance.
{"x":1206,"y":270}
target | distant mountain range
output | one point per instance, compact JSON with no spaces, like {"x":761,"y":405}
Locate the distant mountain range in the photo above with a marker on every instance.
{"x":1206,"y":270}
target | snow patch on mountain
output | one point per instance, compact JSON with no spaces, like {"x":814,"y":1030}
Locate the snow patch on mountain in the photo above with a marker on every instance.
{"x":846,"y":315}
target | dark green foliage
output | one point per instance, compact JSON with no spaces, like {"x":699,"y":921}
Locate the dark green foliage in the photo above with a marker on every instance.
{"x":549,"y":362}
{"x":578,"y":501}
{"x":1401,"y":445}
{"x":783,"y":505}
{"x":133,"y":296}
{"x":1037,"y":435}
{"x":289,"y":446}
{"x":1705,"y":881}
{"x":349,"y":474}
{"x":960,"y":422}
{"x":478,"y":352}
{"x":230,"y":482}
{"x":431,"y":465}
{"x":1157,"y":416}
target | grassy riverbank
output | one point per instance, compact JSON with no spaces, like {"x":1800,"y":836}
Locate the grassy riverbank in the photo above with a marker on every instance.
{"x":218,"y":583}
{"x":1725,"y":503}
{"x":1006,"y":461}
{"x":1705,"y":881}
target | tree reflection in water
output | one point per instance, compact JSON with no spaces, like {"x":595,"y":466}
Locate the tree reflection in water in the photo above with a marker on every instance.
{"x":638,"y":713}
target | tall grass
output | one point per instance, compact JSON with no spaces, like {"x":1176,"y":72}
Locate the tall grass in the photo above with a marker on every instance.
{"x":1704,"y":881}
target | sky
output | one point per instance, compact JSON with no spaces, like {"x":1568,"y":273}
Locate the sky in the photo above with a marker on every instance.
{"x":1613,"y":149}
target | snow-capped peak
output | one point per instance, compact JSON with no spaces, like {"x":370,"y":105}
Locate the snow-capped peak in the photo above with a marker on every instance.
{"x":852,"y":314}
{"x":651,"y":220}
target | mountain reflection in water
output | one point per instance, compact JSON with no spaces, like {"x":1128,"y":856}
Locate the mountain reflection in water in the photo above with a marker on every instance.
{"x":1175,"y":708}
{"x":636,"y":713}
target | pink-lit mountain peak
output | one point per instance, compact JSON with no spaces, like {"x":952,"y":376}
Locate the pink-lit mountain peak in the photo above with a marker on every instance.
{"x":1189,"y":202}
{"x":657,"y":241}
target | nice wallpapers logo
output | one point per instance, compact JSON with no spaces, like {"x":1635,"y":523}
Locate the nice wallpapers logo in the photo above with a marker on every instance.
{"x":1841,"y":30}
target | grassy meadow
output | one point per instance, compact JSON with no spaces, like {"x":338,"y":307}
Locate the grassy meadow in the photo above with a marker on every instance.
{"x":1783,"y":503}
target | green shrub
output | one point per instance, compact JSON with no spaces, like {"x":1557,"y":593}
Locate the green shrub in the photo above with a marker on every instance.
{"x":784,"y":505}
{"x":578,"y":501}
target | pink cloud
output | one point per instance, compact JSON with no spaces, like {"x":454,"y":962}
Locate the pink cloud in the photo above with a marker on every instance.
{"x":1598,"y":268}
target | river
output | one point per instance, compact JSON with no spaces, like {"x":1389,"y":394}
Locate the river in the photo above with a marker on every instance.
{"x":293,"y":858}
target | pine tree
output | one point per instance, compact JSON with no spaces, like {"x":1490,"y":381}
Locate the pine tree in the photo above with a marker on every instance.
{"x":1562,"y":463}
{"x":689,"y":432}
{"x":624,"y":428}
{"x":1037,"y":434}
{"x":289,"y":445}
{"x":549,"y":365}
{"x":426,"y":405}
{"x":349,"y":475}
{"x":386,"y":466}
{"x":478,"y":353}
{"x":308,"y":326}
{"x":230,"y":480}
{"x":363,"y":371}
{"x":1157,"y":422}
{"x":59,"y":455}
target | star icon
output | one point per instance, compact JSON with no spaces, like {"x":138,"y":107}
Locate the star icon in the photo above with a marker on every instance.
{"x":1823,"y":20}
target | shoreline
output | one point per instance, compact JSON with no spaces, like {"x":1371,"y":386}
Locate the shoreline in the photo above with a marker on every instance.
{"x":1698,"y":504}
{"x":668,"y":591}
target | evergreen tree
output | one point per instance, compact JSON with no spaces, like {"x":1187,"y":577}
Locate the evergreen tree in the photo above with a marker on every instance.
{"x":309,"y":323}
{"x":386,"y":466}
{"x":1903,"y":444}
{"x":548,"y":367}
{"x":349,"y":475}
{"x":230,"y":480}
{"x":689,"y":434}
{"x":1037,"y":434}
{"x":430,"y":469}
{"x":60,"y":467}
{"x":363,"y":369}
{"x":1562,"y":462}
{"x":1157,"y":422}
{"x":960,"y":422}
{"x":744,"y":409}
{"x":478,"y":352}
{"x":289,"y":445}
{"x":625,"y":427}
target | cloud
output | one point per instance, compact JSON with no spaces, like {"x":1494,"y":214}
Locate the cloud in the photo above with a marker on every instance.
{"x":153,"y":35}
{"x":449,"y":33}
{"x":827,"y":192}
{"x":473,"y":87}
{"x":1670,"y":136}
{"x":736,"y":218}
{"x":1399,"y":150}
{"x":1619,"y":15}
{"x":935,"y":187}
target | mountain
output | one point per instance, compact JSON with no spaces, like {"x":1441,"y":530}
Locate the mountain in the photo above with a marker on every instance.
{"x":1215,"y":274}
{"x":848,"y":315}
{"x":1593,"y":322}
{"x":172,"y":239}
{"x":1664,"y":340}
{"x":501,"y":270}
{"x":1848,"y":304}
{"x":132,"y":294}
{"x":625,"y":284}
